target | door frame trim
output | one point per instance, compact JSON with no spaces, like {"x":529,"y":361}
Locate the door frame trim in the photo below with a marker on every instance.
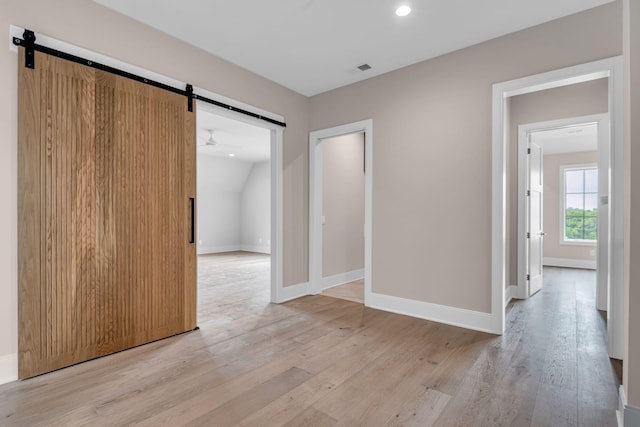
{"x":316,"y":196}
{"x":612,"y":68}
{"x":603,"y":166}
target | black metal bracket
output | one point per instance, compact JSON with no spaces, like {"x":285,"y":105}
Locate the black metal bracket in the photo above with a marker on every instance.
{"x":29,"y":38}
{"x":189,"y":97}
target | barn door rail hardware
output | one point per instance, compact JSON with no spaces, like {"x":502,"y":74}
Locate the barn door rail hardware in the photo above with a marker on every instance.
{"x":29,"y":43}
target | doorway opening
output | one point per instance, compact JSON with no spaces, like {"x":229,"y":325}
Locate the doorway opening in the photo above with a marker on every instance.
{"x":238,"y":209}
{"x":611,"y":70}
{"x":563,"y":194}
{"x":340,"y":208}
{"x":343,"y":217}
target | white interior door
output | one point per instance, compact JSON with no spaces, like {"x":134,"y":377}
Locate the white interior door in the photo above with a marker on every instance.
{"x":535,"y":233}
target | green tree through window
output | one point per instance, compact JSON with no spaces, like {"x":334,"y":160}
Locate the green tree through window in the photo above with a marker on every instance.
{"x":581,"y":203}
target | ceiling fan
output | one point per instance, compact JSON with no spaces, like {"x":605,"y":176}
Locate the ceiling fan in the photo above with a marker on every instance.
{"x":212,"y":142}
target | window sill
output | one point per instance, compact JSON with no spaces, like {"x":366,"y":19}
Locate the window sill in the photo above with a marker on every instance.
{"x":579,"y":242}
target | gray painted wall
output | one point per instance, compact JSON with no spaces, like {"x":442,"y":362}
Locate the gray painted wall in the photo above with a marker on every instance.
{"x":255,"y":207}
{"x":432,"y":153}
{"x":234,"y":205}
{"x":343,"y":204}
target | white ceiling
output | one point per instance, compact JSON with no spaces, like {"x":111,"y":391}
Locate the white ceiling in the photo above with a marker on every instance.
{"x":312,"y":46}
{"x":246,"y":142}
{"x":570,"y":139}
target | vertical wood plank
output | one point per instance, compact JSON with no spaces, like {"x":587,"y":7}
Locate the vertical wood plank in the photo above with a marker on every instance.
{"x":106,"y":169}
{"x":189,"y":191}
{"x":29,"y":221}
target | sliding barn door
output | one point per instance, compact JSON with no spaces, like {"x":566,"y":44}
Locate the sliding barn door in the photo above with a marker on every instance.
{"x":106,"y":180}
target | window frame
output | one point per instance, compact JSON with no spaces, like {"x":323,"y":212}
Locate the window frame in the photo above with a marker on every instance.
{"x":563,"y":199}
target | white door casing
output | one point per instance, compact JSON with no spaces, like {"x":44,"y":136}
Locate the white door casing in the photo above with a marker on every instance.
{"x":612,"y":69}
{"x":604,"y":225}
{"x":534,"y":207}
{"x":316,"y":196}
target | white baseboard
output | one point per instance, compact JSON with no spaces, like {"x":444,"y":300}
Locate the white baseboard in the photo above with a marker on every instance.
{"x":476,"y":320}
{"x":626,"y":414}
{"x":204,"y":250}
{"x":631,"y":416}
{"x":510,"y":293}
{"x":292,"y":292}
{"x":256,"y":249}
{"x":622,"y":402}
{"x":8,"y":368}
{"x":341,"y":279}
{"x":569,"y":263}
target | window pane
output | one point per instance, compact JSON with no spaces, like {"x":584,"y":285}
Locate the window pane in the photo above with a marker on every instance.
{"x":590,"y":228}
{"x":581,"y":204}
{"x":574,"y":201}
{"x":591,"y":203}
{"x":574,"y":181}
{"x":574,"y":227}
{"x":591,"y":181}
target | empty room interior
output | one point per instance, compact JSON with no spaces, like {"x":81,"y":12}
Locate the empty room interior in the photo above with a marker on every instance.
{"x":320,"y":213}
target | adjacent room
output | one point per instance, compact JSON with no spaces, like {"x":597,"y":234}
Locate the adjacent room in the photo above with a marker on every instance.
{"x":343,"y":217}
{"x":233,"y":181}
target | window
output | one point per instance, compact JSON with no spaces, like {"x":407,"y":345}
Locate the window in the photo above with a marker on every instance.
{"x":580,"y":207}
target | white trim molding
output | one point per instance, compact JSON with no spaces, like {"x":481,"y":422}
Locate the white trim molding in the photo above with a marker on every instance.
{"x":342,"y":278}
{"x":626,"y":414}
{"x":610,"y":68}
{"x":256,"y":249}
{"x":316,"y":196}
{"x":206,"y":250}
{"x":569,"y":263}
{"x":289,"y":293}
{"x":8,"y":368}
{"x":510,"y":293}
{"x":469,"y":319}
{"x":622,"y":402}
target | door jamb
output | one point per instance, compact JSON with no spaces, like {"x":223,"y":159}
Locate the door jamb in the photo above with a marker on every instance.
{"x":316,"y":195}
{"x":612,"y":68}
{"x":603,"y":167}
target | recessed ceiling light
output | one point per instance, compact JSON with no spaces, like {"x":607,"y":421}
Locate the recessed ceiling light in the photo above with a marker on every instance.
{"x":403,"y":10}
{"x":232,"y":155}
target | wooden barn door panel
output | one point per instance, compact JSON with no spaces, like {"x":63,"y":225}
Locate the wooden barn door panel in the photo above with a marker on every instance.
{"x":105,"y":261}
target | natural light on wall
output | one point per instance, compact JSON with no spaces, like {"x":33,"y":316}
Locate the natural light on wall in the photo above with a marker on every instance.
{"x":580,"y":204}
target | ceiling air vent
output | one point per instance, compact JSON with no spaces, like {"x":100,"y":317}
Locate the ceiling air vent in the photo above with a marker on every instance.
{"x":364,"y":67}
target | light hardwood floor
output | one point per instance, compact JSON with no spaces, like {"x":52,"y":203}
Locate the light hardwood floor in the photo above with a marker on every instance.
{"x":352,"y":291}
{"x":321,"y":361}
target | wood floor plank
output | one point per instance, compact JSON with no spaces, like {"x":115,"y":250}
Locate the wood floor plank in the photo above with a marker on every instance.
{"x":233,"y":411}
{"x":321,"y":361}
{"x":352,"y":291}
{"x":324,"y":383}
{"x":311,"y":417}
{"x":422,"y":411}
